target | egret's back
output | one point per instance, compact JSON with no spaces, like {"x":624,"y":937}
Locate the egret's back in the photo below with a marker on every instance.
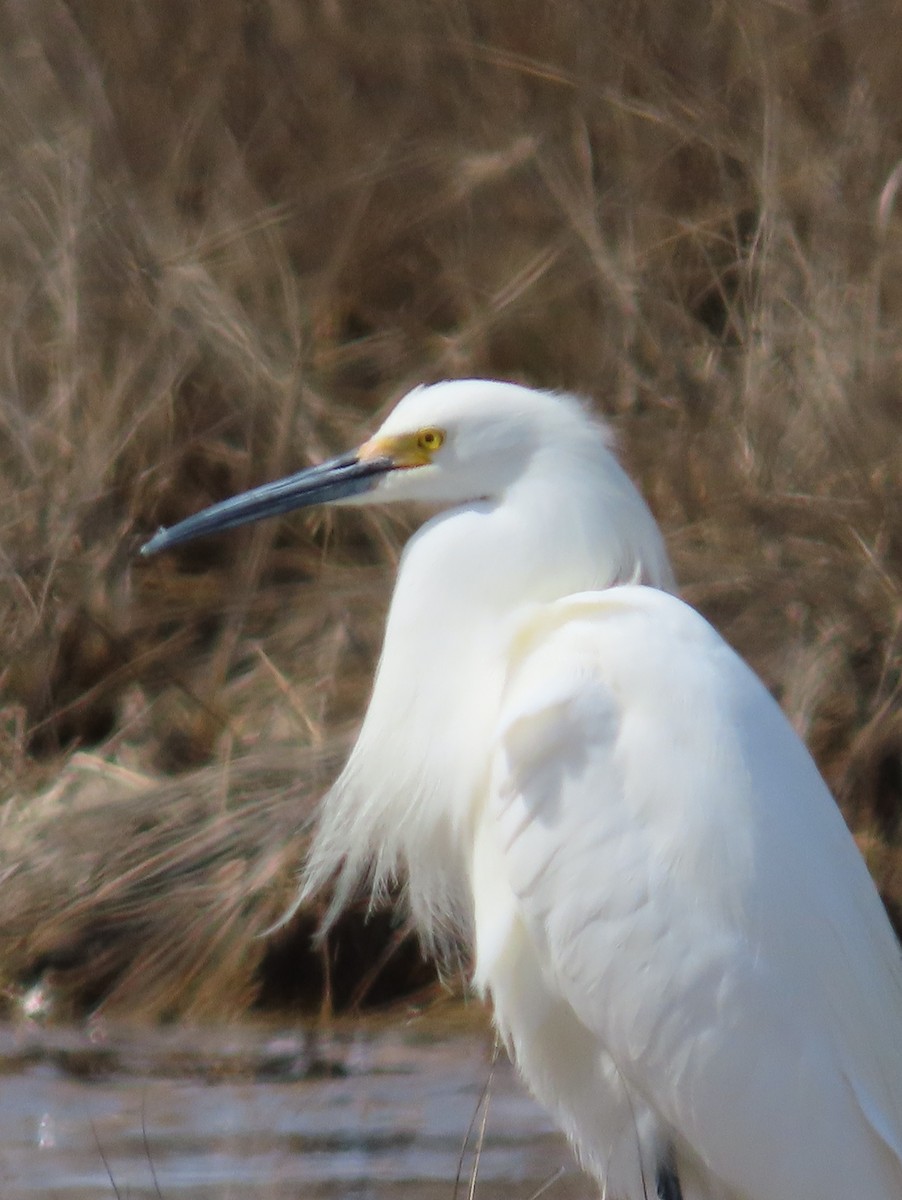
{"x":683,"y":945}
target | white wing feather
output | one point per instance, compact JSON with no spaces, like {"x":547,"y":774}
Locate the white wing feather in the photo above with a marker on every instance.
{"x":679,"y":877}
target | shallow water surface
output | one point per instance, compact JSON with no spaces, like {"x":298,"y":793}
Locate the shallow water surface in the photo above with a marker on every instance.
{"x":367,"y":1110}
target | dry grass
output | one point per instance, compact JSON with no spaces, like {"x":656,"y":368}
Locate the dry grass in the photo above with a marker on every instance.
{"x":230,"y":232}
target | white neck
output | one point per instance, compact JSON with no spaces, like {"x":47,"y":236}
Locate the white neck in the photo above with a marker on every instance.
{"x":413,"y":777}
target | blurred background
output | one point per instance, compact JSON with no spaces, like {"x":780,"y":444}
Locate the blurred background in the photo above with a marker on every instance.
{"x":231,"y":235}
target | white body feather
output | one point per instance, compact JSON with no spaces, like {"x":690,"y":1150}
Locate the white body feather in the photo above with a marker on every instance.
{"x":662,"y":874}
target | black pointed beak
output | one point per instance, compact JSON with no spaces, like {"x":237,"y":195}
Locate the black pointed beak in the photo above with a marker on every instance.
{"x":347,"y":475}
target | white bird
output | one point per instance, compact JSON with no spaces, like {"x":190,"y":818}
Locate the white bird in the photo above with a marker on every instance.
{"x":684,"y":950}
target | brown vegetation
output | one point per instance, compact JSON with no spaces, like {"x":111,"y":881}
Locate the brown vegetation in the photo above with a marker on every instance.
{"x":232,"y":232}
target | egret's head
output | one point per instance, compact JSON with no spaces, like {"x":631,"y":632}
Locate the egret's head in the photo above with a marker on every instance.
{"x":447,"y":443}
{"x":469,"y":439}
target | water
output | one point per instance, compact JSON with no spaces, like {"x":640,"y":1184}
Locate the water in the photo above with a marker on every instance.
{"x":365,"y":1110}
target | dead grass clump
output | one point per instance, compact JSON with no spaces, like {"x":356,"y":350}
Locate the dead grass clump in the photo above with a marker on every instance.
{"x":230,"y":232}
{"x":124,"y":895}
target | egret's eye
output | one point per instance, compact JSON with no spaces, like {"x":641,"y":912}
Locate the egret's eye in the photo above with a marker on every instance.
{"x":430,"y":439}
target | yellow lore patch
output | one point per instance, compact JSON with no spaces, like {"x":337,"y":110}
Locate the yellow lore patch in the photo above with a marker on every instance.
{"x":405,"y":449}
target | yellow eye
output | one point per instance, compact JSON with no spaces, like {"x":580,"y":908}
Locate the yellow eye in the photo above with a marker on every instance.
{"x":430,"y":439}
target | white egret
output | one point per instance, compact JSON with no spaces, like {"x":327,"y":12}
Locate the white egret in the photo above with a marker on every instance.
{"x":685,"y":953}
